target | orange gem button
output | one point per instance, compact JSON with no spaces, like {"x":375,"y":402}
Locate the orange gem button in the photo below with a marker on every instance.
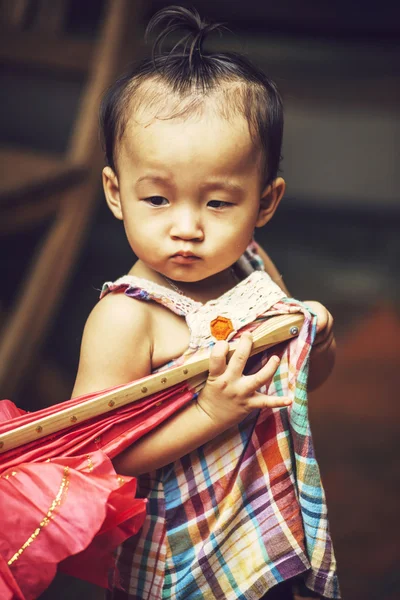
{"x":221,"y":328}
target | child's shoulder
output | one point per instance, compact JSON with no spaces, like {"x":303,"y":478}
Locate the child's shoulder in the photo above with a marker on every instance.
{"x":116,"y":323}
{"x":116,"y":344}
{"x":118,"y":313}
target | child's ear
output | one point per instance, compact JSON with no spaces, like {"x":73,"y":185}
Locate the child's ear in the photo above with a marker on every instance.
{"x":111,"y":191}
{"x":269,"y":201}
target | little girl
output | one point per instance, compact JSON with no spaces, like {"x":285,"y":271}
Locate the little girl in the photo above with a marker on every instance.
{"x":193,"y":143}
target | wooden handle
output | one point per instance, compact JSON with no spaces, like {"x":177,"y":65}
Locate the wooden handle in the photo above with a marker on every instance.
{"x":273,"y":331}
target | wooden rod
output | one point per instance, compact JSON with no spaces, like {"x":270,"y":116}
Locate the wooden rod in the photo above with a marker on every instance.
{"x":271,"y":332}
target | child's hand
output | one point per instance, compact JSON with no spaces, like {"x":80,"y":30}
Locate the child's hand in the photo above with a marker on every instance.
{"x":323,"y":352}
{"x":229,"y":395}
{"x":325,"y":335}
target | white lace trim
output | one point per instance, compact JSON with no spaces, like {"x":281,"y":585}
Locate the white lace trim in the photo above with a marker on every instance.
{"x":178,"y":303}
{"x":242,"y":304}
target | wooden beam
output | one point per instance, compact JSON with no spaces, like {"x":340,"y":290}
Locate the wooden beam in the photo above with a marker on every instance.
{"x":84,"y":138}
{"x":50,"y":16}
{"x":34,"y":49}
{"x":27,"y":173}
{"x":40,"y":293}
{"x":13,"y":13}
{"x":36,"y":202}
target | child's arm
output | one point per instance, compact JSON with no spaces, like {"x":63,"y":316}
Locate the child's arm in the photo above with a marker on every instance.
{"x":116,"y":349}
{"x":323,"y":352}
{"x":226,"y":399}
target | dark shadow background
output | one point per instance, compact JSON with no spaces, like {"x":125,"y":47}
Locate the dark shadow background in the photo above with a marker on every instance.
{"x":335,"y":238}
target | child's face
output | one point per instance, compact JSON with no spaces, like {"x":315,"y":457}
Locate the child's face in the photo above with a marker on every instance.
{"x":189,"y":193}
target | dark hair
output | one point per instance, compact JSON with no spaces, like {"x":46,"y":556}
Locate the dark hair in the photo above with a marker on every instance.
{"x":187,"y":69}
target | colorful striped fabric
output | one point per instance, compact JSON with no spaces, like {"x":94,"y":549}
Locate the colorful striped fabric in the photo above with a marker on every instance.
{"x":243,"y":512}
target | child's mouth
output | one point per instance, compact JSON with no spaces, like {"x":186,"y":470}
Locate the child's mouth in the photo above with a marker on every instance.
{"x":184,"y":258}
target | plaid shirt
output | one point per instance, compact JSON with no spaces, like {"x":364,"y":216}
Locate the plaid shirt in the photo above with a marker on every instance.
{"x":243,"y":512}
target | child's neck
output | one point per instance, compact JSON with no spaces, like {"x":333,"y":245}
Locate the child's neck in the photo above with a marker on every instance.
{"x":201,"y":291}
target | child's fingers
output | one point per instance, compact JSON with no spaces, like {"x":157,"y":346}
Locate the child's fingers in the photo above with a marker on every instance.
{"x":324,"y":317}
{"x":264,"y":401}
{"x":263,"y":376}
{"x":217,"y":364}
{"x":322,"y":345}
{"x":324,"y":330}
{"x":240,"y":357}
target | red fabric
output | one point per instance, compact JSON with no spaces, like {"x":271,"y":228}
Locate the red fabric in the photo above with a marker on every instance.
{"x":112,"y":432}
{"x":69,"y":477}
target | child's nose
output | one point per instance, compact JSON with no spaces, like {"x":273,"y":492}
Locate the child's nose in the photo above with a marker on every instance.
{"x":187,"y":226}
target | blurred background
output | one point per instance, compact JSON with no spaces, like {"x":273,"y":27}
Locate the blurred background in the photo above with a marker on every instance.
{"x":335,"y":237}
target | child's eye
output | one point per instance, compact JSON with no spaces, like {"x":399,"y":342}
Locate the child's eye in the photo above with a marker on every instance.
{"x":156,"y":201}
{"x":219,"y":204}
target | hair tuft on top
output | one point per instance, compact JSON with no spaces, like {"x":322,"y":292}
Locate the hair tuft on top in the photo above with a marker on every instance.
{"x":178,"y":18}
{"x":186,"y":59}
{"x":194,"y":76}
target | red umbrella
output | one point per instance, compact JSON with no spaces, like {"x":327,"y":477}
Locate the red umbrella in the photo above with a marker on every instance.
{"x":62,"y":503}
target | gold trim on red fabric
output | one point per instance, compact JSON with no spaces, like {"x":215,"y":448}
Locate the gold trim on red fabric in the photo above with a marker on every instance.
{"x":63,"y":489}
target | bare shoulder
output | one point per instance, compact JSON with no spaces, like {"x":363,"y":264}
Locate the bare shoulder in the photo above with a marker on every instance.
{"x":118,"y":311}
{"x":116,"y":344}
